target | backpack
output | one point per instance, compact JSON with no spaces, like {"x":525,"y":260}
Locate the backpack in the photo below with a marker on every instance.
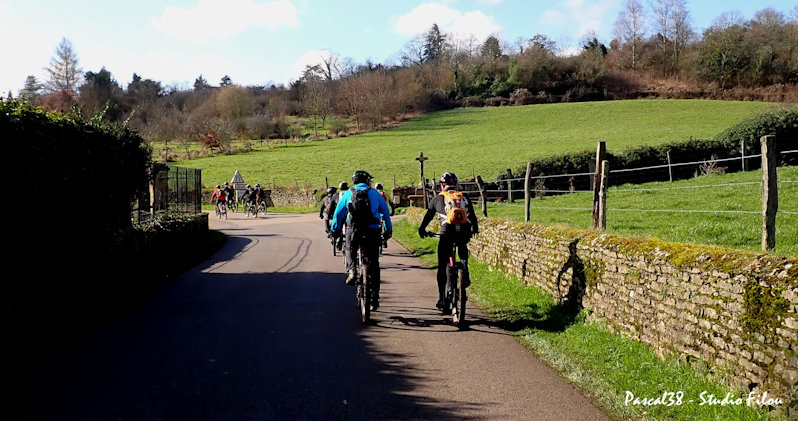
{"x":455,"y":204}
{"x":360,"y":212}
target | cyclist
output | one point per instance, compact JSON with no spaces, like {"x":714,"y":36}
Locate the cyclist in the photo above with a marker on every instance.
{"x":378,"y":187}
{"x":218,"y":197}
{"x":458,"y":222}
{"x":361,"y":209}
{"x":328,"y":204}
{"x":342,"y":188}
{"x":229,"y":192}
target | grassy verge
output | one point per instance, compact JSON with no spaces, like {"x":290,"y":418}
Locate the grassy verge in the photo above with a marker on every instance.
{"x":601,"y":364}
{"x":733,"y":230}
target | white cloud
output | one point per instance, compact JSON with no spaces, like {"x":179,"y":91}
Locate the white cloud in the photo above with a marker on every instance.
{"x":225,"y":18}
{"x":489,"y":2}
{"x":581,"y":15}
{"x":462,"y":25}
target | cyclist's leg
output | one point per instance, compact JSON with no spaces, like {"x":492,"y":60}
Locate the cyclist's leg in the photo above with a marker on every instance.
{"x":351,"y":250}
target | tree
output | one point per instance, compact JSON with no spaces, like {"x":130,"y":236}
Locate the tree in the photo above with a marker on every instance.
{"x":144,"y":90}
{"x":672,"y":24}
{"x":64,"y":75}
{"x":434,"y":43}
{"x":200,"y":84}
{"x":314,"y":97}
{"x":630,"y":29}
{"x":491,"y":48}
{"x":101,"y":92}
{"x":31,"y":91}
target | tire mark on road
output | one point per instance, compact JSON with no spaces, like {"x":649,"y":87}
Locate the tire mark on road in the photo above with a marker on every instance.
{"x":302,"y":251}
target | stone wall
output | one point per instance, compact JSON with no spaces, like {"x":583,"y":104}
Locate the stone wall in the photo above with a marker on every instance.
{"x":731,"y":309}
{"x":294,"y":198}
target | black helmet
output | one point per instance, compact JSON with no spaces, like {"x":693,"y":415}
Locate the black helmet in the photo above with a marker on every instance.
{"x":378,"y":186}
{"x":343,"y":186}
{"x":449,"y":179}
{"x":249,"y":186}
{"x":218,"y":186}
{"x":257,"y":185}
{"x":226,"y":183}
{"x":331,"y":190}
{"x":361,"y":176}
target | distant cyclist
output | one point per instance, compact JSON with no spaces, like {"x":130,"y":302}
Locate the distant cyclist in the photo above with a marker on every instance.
{"x":360,"y":209}
{"x":328,"y":204}
{"x":378,"y":186}
{"x":218,"y":197}
{"x":229,"y":192}
{"x":458,"y":223}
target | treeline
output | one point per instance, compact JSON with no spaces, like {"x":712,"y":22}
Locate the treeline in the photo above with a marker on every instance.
{"x":654,"y":52}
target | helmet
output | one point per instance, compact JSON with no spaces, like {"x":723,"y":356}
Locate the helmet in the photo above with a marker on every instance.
{"x":378,"y":186}
{"x":257,"y":185}
{"x":331,"y":190}
{"x":218,"y":186}
{"x":449,"y":179}
{"x":343,"y":186}
{"x":249,"y":186}
{"x":226,"y":183}
{"x":361,"y":176}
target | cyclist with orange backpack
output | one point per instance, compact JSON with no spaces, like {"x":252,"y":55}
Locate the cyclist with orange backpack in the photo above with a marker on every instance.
{"x":458,"y":222}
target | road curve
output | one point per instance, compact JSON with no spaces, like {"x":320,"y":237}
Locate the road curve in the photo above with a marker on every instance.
{"x":266,"y":329}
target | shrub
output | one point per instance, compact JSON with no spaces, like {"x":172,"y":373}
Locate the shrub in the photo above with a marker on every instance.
{"x":521,"y":96}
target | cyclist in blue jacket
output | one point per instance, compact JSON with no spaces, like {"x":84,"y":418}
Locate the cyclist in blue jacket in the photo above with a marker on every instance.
{"x":360,"y":209}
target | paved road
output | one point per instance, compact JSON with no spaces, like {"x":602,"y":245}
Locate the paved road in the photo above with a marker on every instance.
{"x":267,"y":329}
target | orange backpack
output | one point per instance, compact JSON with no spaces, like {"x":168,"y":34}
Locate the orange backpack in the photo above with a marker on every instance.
{"x":455,"y":203}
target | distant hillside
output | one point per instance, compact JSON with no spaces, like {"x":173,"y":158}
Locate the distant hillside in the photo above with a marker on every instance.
{"x":484,"y":141}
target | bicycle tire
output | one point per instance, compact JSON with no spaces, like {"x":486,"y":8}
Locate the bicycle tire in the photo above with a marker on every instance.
{"x":459,"y":313}
{"x":218,"y":212}
{"x":365,"y":304}
{"x":223,"y":210}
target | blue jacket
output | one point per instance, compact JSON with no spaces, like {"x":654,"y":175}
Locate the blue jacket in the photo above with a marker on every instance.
{"x":378,"y":207}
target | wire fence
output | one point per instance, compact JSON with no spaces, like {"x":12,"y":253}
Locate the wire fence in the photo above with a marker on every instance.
{"x":172,"y":189}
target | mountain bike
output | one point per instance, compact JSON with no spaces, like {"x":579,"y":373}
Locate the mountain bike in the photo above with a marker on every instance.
{"x":262,"y":206}
{"x":250,"y":208}
{"x":221,"y":210}
{"x":233,"y":205}
{"x":457,"y":280}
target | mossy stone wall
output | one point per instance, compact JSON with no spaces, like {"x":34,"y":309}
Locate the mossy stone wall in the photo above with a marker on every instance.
{"x":728,"y":308}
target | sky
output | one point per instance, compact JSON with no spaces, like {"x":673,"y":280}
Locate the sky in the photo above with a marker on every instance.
{"x":259,"y":42}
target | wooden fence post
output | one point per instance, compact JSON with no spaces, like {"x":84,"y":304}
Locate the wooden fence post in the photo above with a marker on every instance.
{"x":601,"y":152}
{"x":742,"y":154}
{"x":509,"y":186}
{"x":482,"y":196}
{"x":527,"y":193}
{"x":602,"y":209}
{"x":770,"y":194}
{"x":670,"y":171}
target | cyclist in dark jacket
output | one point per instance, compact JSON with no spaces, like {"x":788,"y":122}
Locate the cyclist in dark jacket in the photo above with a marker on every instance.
{"x":328,"y":204}
{"x":451,"y":233}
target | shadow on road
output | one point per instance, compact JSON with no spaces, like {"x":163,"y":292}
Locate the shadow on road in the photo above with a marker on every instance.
{"x":236,"y":346}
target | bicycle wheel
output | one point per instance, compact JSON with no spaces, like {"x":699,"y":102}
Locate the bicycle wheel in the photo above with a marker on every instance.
{"x":458,"y":316}
{"x":365,"y":304}
{"x":218,"y":211}
{"x":223,"y":210}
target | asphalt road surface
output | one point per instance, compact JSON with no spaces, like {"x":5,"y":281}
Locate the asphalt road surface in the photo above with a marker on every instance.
{"x":267,"y":329}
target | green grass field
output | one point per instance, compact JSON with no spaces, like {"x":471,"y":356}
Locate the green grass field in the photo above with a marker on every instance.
{"x":484,"y":141}
{"x":734,"y":230}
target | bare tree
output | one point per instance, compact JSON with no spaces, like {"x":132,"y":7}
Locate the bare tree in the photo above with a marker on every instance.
{"x":63,"y":71}
{"x":314,"y":96}
{"x":630,"y":28}
{"x":672,"y":24}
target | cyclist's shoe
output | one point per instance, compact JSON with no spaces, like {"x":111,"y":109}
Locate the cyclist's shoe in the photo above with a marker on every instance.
{"x":385,"y":244}
{"x":440,"y":304}
{"x":352,"y":278}
{"x":375,"y":304}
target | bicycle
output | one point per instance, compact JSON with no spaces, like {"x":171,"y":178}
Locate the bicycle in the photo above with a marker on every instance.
{"x":262,"y":206}
{"x":233,"y":205}
{"x":250,"y":208}
{"x":457,"y":280}
{"x":363,"y":287}
{"x":221,"y":210}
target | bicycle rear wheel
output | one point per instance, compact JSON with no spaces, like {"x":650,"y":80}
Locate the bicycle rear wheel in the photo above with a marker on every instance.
{"x":460,"y":298}
{"x":365,"y":303}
